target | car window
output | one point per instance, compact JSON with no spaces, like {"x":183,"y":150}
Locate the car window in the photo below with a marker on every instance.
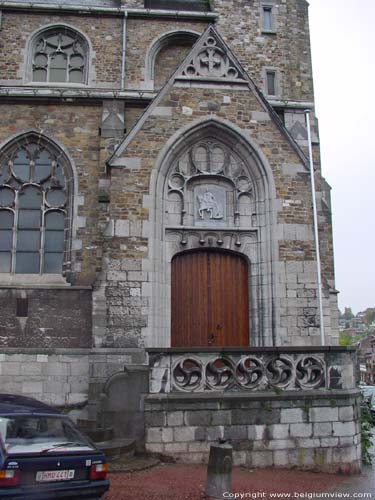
{"x":39,"y":434}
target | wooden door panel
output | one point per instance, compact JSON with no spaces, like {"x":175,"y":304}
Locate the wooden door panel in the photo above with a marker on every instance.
{"x":209,"y":300}
{"x":229,"y":293}
{"x":189,"y":301}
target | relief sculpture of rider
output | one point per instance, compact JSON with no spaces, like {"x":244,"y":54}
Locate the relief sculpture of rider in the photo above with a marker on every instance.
{"x":207,"y":203}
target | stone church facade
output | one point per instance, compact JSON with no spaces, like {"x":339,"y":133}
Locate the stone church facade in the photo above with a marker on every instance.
{"x":157,"y":256}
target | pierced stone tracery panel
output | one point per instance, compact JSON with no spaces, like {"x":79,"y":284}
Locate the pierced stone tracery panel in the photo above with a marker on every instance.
{"x":227,"y":371}
{"x":59,"y":55}
{"x":212,"y":62}
{"x":209,"y":185}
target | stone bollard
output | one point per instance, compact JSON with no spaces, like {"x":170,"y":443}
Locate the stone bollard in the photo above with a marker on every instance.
{"x":219,"y":471}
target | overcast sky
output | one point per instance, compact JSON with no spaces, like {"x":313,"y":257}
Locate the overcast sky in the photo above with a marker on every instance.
{"x":343,"y":45}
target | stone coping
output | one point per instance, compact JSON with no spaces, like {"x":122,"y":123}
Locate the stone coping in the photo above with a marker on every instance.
{"x":36,"y":286}
{"x":70,"y":352}
{"x":111,"y":11}
{"x":250,"y":349}
{"x":244,"y":396}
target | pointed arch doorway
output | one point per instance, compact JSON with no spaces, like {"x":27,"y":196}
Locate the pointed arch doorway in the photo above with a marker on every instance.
{"x":210,"y":299}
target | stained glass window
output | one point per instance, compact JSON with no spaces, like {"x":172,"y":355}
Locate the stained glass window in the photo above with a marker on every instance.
{"x":33,"y":209}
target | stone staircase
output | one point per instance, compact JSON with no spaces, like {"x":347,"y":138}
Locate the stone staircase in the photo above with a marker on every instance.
{"x":120,"y":452}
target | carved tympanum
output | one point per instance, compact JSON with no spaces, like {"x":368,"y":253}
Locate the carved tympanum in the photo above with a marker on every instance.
{"x":204,"y":180}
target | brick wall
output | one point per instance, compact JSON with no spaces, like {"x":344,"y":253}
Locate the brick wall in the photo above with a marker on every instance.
{"x":54,"y":318}
{"x":168,"y":60}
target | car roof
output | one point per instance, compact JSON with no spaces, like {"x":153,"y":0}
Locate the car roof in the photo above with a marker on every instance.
{"x":15,"y":404}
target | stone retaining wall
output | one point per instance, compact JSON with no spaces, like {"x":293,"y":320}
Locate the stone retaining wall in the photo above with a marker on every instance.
{"x":309,"y":430}
{"x":71,"y":379}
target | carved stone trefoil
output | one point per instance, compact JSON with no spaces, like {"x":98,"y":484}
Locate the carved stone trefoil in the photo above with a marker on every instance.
{"x":212,"y":61}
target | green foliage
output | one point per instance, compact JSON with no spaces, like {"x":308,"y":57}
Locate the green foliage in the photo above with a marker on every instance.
{"x":369,"y":316}
{"x":267,"y":407}
{"x":366,"y":430}
{"x":277,"y":390}
{"x":345,"y":339}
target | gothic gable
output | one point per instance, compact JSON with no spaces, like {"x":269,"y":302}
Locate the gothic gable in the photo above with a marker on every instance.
{"x":210,"y":64}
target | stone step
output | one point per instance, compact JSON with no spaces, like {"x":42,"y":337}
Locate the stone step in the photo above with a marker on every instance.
{"x":94,"y":432}
{"x":119,"y":447}
{"x":101,"y":434}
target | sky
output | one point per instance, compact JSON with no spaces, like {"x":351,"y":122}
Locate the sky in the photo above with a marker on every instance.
{"x":343,"y":48}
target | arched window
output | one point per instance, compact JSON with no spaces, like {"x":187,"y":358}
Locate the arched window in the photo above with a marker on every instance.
{"x":165,"y":54}
{"x":34,"y":207}
{"x":59,"y":54}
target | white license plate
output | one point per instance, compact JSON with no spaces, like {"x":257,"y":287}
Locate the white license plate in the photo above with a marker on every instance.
{"x":54,"y":475}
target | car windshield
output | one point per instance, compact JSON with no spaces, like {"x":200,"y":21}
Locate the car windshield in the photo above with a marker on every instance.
{"x":39,"y":434}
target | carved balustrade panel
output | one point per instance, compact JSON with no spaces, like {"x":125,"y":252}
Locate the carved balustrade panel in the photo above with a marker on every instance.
{"x":245,"y":371}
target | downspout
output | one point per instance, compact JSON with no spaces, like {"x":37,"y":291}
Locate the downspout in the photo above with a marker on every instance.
{"x":316,"y":232}
{"x":123,"y":56}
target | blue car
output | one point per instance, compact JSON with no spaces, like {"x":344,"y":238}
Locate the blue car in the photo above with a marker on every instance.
{"x":43,"y":455}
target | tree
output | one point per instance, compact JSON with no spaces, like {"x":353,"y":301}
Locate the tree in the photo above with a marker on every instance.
{"x":348,"y":314}
{"x":369,"y":316}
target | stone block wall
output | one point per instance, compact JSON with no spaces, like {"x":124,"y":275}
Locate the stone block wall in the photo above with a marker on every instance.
{"x":314,"y":431}
{"x":103,"y":33}
{"x":70,"y":379}
{"x":135,"y":224}
{"x":241,"y":27}
{"x":239,"y":23}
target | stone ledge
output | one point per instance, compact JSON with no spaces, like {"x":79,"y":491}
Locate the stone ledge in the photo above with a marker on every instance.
{"x":254,"y":396}
{"x":224,"y":350}
{"x":71,"y":352}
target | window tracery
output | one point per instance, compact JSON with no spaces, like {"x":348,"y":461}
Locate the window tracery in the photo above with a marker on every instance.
{"x":59,"y":55}
{"x":34,"y":203}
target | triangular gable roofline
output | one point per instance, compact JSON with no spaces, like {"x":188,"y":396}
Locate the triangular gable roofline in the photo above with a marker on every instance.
{"x":244,"y":79}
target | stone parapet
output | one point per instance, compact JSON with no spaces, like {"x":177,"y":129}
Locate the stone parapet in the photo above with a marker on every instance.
{"x":257,"y":369}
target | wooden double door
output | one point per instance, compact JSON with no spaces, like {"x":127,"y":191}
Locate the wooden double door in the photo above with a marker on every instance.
{"x":210,"y":299}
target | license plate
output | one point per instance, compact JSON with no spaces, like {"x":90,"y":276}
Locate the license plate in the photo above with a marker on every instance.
{"x":54,"y":475}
